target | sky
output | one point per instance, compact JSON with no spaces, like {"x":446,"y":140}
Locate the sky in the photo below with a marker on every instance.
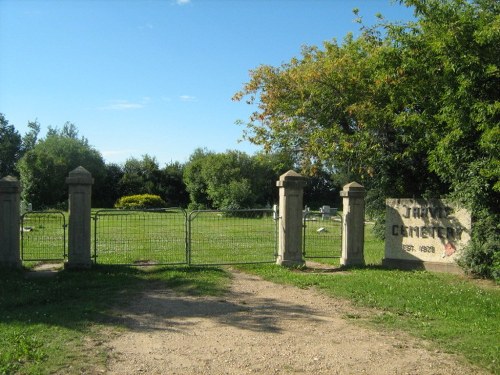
{"x":156,"y":77}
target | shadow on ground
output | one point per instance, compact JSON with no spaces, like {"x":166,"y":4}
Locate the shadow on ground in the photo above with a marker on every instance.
{"x":147,"y":298}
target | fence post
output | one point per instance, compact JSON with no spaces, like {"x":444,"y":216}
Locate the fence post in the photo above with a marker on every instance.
{"x":80,"y":190}
{"x":353,"y":236}
{"x":10,"y":190}
{"x":291,"y":189}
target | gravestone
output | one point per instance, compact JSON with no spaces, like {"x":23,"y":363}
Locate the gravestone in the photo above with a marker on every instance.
{"x":325,"y":212}
{"x":426,"y":234}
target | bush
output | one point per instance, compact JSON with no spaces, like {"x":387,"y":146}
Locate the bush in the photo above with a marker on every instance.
{"x":482,"y":259}
{"x":140,"y":201}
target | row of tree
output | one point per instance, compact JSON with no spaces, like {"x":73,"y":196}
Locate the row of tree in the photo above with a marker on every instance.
{"x":229,"y":180}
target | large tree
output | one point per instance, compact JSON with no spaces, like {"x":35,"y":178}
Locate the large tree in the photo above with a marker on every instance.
{"x":173,"y":187}
{"x":44,"y":168}
{"x":13,"y":146}
{"x":10,"y":147}
{"x":398,"y":100}
{"x":233,"y":179}
{"x":407,"y":109}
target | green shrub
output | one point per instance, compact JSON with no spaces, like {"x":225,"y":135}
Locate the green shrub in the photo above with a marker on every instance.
{"x":482,"y":259}
{"x":140,"y":201}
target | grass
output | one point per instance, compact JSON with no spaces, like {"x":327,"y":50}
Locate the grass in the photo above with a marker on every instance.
{"x":54,"y":325}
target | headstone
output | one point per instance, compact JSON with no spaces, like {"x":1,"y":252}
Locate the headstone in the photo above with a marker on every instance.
{"x":325,"y":212}
{"x":26,"y":207}
{"x":427,"y":234}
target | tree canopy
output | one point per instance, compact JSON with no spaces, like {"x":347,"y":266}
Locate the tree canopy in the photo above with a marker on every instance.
{"x":10,"y":147}
{"x":233,"y":179}
{"x":407,"y":109}
{"x":13,"y":146}
{"x":44,"y":168}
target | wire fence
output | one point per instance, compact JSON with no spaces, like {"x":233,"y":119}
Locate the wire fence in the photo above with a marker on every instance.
{"x":43,"y":236}
{"x":172,"y":236}
{"x":322,"y":235}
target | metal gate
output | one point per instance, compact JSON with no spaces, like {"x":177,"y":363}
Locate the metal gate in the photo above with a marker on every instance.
{"x":156,"y":236}
{"x":322,"y":236}
{"x":232,"y":236}
{"x":171,"y":236}
{"x":43,"y":236}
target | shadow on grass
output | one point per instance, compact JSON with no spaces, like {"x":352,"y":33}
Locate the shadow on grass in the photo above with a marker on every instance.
{"x":74,"y":298}
{"x":149,"y":298}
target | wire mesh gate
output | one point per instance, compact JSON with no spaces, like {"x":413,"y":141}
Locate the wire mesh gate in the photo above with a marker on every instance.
{"x":43,"y":236}
{"x":322,"y":236}
{"x":232,"y":236}
{"x":171,"y":236}
{"x":140,"y":236}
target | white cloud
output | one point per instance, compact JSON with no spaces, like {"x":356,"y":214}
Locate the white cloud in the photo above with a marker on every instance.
{"x":187,"y":98}
{"x":122,"y":105}
{"x":182,"y":2}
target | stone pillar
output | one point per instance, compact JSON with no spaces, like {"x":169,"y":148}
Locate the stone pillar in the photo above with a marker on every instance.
{"x":79,"y":236}
{"x":353,"y":231}
{"x":291,"y":189}
{"x":10,"y":190}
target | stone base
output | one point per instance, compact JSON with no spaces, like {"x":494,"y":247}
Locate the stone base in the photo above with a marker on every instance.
{"x":421,"y":265}
{"x":352,"y":262}
{"x":291,"y":263}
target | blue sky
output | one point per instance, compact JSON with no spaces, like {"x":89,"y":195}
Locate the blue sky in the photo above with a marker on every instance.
{"x":155,"y":76}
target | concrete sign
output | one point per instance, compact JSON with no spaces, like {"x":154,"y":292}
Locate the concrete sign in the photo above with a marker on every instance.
{"x":425,"y":231}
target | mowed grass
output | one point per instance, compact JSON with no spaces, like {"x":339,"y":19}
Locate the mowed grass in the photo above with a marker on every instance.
{"x":57,"y":324}
{"x":456,"y":314}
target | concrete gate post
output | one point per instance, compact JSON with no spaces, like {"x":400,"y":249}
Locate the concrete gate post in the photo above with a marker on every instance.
{"x":353,"y":236}
{"x":10,"y":191}
{"x":291,"y":189}
{"x":79,"y":236}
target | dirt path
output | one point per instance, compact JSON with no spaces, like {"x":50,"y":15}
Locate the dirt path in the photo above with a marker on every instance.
{"x":262,"y":328}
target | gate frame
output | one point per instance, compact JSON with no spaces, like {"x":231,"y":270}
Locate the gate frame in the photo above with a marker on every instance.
{"x":64,"y":226}
{"x":194,"y":213}
{"x":95,"y":218}
{"x":304,"y":252}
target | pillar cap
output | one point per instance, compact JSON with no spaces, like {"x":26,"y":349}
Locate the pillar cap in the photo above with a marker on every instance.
{"x":80,"y":176}
{"x":10,"y":184}
{"x":291,"y":179}
{"x":353,"y":189}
